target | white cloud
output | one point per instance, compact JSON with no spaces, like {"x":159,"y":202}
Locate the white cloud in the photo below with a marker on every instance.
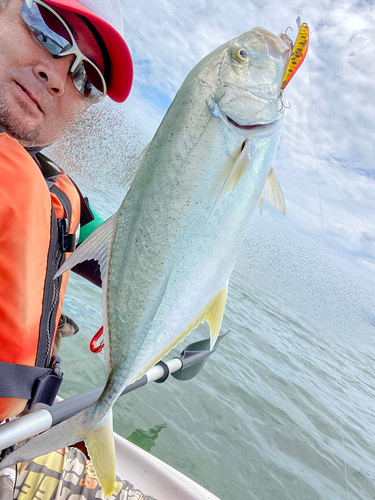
{"x":328,"y":133}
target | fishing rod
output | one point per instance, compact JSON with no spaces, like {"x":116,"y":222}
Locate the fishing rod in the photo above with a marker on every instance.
{"x":185,"y":367}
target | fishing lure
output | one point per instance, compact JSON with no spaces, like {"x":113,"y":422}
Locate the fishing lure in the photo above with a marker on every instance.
{"x":298,"y":54}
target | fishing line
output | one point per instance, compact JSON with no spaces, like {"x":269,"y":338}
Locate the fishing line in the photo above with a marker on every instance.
{"x":324,"y":246}
{"x":316,"y":151}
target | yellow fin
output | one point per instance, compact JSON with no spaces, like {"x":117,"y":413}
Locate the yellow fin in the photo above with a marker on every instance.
{"x":101,"y":448}
{"x":213,"y":314}
{"x":272,"y":194}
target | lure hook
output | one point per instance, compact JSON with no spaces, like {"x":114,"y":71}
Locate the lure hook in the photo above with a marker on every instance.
{"x":286,"y":37}
{"x":282,"y":103}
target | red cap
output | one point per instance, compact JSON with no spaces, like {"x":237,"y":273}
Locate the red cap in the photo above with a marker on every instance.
{"x":106,"y":17}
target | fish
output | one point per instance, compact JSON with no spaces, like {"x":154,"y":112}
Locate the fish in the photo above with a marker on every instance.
{"x":167,"y":254}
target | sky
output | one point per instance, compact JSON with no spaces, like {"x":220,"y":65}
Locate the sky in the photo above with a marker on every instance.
{"x":326,"y":158}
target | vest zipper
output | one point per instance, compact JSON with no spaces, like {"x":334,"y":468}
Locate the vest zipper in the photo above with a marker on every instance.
{"x":52,"y":317}
{"x":56,"y":256}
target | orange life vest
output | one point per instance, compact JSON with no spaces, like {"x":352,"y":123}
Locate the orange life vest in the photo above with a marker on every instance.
{"x":39,"y":217}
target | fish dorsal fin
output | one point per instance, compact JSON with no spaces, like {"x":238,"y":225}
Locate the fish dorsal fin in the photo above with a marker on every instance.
{"x":272,"y":194}
{"x":238,"y":170}
{"x":96,"y":246}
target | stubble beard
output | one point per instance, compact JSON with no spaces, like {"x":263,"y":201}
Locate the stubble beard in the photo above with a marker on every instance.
{"x":17,"y":130}
{"x":31,"y":137}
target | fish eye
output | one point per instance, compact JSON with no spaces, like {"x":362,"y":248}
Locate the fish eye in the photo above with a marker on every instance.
{"x":241,"y":55}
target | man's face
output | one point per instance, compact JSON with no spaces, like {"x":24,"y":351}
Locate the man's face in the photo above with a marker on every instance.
{"x":38,"y":99}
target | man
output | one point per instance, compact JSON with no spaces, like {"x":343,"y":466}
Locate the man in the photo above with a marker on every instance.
{"x":55,"y":62}
{"x":57,"y":57}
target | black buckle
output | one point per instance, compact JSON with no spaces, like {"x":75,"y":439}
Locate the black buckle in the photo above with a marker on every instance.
{"x":67,"y":241}
{"x":47,"y":386}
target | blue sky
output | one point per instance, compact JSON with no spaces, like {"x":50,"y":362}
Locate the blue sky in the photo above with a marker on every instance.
{"x":326,"y":159}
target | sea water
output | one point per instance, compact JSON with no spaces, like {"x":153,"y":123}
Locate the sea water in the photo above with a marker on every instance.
{"x":285,"y":408}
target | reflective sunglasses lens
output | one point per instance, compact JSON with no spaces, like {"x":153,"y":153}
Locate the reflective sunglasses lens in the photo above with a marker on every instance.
{"x":54,"y":36}
{"x":54,"y":23}
{"x":94,"y":76}
{"x":47,"y":28}
{"x":88,"y":81}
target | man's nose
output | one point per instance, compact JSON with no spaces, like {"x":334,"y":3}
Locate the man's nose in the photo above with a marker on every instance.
{"x":54,"y":72}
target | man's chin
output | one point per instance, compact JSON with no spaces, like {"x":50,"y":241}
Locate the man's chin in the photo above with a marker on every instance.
{"x":30,"y":134}
{"x":26,"y":136}
{"x":35,"y":143}
{"x":29,"y":137}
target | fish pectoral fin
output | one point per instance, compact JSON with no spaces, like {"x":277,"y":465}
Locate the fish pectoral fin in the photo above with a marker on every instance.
{"x":272,"y":194}
{"x":237,"y":172}
{"x":101,"y":448}
{"x":95,"y":247}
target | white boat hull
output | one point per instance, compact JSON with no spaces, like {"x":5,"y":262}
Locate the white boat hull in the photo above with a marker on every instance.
{"x":154,"y":477}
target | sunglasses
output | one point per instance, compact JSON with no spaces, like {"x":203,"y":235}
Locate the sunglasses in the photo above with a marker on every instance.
{"x":55,"y":35}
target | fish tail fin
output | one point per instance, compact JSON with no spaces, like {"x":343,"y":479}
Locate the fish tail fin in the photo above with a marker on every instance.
{"x":98,"y":438}
{"x":100,"y":445}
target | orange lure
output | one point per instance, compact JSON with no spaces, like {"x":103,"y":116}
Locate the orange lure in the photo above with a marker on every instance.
{"x":298,"y":54}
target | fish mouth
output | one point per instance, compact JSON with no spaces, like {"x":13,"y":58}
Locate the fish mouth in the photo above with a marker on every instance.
{"x":249,"y":127}
{"x":256,"y":128}
{"x":263,"y":128}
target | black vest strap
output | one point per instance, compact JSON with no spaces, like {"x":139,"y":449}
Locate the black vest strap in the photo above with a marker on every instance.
{"x":38,"y":385}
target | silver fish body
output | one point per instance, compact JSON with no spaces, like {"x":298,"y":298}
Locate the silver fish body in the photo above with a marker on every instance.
{"x":167,"y":254}
{"x":175,"y":255}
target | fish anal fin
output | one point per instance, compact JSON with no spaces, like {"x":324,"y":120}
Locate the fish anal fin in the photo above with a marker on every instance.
{"x":213,"y":314}
{"x":273,"y":194}
{"x":101,"y":448}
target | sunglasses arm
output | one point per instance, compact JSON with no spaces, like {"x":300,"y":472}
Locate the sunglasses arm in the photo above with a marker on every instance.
{"x":78,"y":59}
